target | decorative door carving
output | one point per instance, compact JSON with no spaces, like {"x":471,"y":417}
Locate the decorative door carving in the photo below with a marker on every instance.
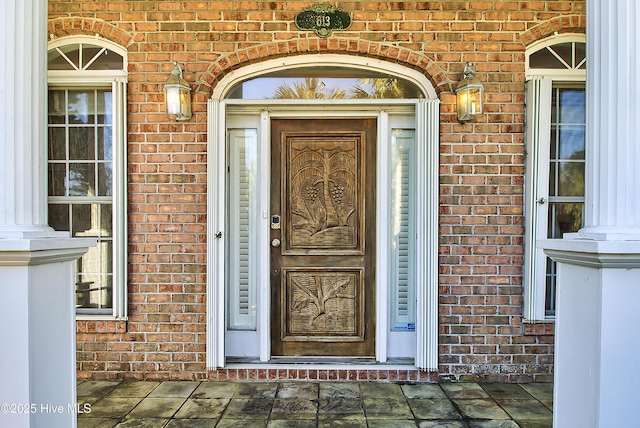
{"x":323,"y":237}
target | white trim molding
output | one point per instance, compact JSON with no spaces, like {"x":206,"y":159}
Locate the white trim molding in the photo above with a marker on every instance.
{"x":216,"y":195}
{"x":322,"y":60}
{"x":427,"y":132}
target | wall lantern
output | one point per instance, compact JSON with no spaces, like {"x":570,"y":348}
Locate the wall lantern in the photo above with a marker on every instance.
{"x":469,"y":95}
{"x":177,"y":95}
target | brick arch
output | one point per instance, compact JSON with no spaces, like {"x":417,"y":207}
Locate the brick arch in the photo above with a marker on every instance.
{"x":73,"y":26}
{"x":254,"y":54}
{"x":561,"y":24}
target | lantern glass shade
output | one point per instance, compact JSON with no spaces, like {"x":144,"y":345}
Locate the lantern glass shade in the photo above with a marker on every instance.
{"x":177,"y":96}
{"x":469,"y":94}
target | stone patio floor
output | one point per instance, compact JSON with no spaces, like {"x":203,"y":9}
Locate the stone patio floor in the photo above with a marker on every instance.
{"x":174,"y":404}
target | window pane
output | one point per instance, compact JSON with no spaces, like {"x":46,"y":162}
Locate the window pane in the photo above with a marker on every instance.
{"x":57,"y":107}
{"x":57,"y":178}
{"x":564,"y":51}
{"x":104,"y":107}
{"x":571,"y":141}
{"x":88,"y":53}
{"x":572,"y":106}
{"x":105,"y":143}
{"x":81,"y":107}
{"x":107,"y":61}
{"x":553,"y":150}
{"x":106,"y":249}
{"x":81,"y":219}
{"x":82,"y":143}
{"x":564,"y":218}
{"x":57,"y":58}
{"x":59,"y":217}
{"x":550,"y":292}
{"x":581,"y":54}
{"x":93,"y":291}
{"x":56,"y":61}
{"x":57,"y":144}
{"x":105,"y":183}
{"x":552,"y":178}
{"x":106,"y":220}
{"x":81,"y":179}
{"x":571,"y":179}
{"x":544,"y":59}
{"x":325,"y":83}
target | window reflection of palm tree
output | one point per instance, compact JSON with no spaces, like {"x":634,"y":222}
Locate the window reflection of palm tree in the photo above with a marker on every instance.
{"x":314,"y":88}
{"x":378,"y":88}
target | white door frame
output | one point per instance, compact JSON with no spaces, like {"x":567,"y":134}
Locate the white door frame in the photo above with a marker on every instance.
{"x":427,"y":153}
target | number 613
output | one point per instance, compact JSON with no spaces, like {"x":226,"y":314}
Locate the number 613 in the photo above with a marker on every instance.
{"x":323,"y":20}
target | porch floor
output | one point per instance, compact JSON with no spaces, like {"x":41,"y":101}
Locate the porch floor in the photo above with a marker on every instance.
{"x":174,"y":404}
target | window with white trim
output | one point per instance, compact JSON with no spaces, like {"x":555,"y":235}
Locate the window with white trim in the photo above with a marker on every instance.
{"x":555,"y":162}
{"x":86,"y":165}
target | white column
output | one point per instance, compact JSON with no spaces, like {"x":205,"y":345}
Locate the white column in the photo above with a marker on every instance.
{"x":613,"y":116}
{"x":37,"y":299}
{"x":597,"y":340}
{"x":23,"y":109}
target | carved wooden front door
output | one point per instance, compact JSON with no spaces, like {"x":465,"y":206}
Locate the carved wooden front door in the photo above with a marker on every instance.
{"x":323,"y":237}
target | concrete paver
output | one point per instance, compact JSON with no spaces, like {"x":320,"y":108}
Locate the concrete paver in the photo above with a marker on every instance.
{"x":319,"y":404}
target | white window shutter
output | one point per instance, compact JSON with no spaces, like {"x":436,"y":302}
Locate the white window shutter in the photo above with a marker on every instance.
{"x":537,"y":140}
{"x":243,"y":144}
{"x":402,"y":229}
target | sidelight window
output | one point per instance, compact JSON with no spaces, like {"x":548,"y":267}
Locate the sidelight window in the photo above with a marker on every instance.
{"x":242,"y":173}
{"x":402,"y":228}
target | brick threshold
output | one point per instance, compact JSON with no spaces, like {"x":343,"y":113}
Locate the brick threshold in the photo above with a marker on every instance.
{"x":317,"y":372}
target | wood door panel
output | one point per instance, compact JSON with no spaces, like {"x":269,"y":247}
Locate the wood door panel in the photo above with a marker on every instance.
{"x":323,"y":273}
{"x":323,"y":304}
{"x":322,"y":191}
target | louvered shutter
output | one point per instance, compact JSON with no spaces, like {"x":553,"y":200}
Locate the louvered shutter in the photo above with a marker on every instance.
{"x":242,"y":172}
{"x":402,"y":246}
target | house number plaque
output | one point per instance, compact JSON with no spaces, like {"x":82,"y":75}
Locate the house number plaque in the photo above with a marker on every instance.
{"x":323,"y":19}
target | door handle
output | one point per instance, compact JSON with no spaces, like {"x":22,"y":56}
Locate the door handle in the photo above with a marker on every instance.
{"x":541,"y":201}
{"x":275,"y":243}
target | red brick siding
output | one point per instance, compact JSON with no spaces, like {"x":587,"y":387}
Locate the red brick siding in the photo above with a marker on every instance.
{"x":481,"y":166}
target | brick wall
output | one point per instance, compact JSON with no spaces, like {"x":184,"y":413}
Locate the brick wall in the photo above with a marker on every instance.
{"x":481,"y":166}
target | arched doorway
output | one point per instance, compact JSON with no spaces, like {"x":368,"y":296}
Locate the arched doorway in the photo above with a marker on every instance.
{"x":322,"y":213}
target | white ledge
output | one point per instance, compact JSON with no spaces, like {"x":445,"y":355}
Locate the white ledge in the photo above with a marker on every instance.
{"x":586,"y":252}
{"x":28,"y":252}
